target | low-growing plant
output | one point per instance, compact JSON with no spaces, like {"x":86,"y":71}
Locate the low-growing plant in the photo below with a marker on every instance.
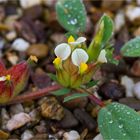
{"x":76,"y":63}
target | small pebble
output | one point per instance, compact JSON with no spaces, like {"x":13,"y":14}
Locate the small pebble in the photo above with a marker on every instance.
{"x":51,"y":109}
{"x":119,"y":21}
{"x":15,"y":109}
{"x":136,"y":90}
{"x":69,"y":120}
{"x":128,"y":83}
{"x":39,"y":50}
{"x":131,"y":102}
{"x":2,"y":43}
{"x":135,"y":69}
{"x":20,"y":45}
{"x":18,"y":121}
{"x":111,"y":90}
{"x":85,"y":119}
{"x":98,"y":137}
{"x":29,"y":3}
{"x":35,"y":115}
{"x":3,"y":135}
{"x":72,"y":135}
{"x":112,"y":5}
{"x":27,"y":135}
{"x":11,"y":35}
{"x":133,"y":13}
{"x":12,"y":58}
{"x":4,"y":118}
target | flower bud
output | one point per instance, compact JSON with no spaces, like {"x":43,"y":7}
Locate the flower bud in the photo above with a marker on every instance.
{"x":19,"y":76}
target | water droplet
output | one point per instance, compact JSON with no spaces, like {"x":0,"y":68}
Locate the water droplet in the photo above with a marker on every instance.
{"x":66,"y":5}
{"x":109,"y":113}
{"x":124,"y":134}
{"x":128,"y":113}
{"x":73,"y":21}
{"x":110,"y":121}
{"x":69,"y":15}
{"x":120,"y":126}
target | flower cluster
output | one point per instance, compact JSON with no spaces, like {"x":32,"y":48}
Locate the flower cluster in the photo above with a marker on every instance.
{"x":73,"y":68}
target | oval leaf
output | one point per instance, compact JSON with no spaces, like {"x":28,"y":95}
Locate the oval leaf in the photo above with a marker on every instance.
{"x":107,"y":30}
{"x":119,"y":122}
{"x":131,"y":48}
{"x":74,"y":96}
{"x":71,"y":15}
{"x":60,"y":92}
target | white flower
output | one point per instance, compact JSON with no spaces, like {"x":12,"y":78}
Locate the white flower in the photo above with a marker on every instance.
{"x":62,"y":52}
{"x":102,"y":57}
{"x":79,"y":40}
{"x":79,"y":58}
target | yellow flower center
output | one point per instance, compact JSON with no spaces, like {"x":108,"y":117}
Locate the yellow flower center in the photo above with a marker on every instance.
{"x":57,"y":61}
{"x":83,"y":68}
{"x":71,"y":39}
{"x":8,"y":77}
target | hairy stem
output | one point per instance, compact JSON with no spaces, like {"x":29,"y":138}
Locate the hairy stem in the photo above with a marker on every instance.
{"x":33,"y":95}
{"x":93,"y":98}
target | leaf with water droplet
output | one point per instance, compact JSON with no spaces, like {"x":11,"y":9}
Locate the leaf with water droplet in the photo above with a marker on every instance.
{"x":131,"y":48}
{"x":71,"y":14}
{"x":119,"y":125}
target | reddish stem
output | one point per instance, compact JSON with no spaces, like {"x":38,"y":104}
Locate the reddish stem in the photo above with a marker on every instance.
{"x":34,"y":95}
{"x":96,"y":100}
{"x":92,"y":97}
{"x":118,"y":57}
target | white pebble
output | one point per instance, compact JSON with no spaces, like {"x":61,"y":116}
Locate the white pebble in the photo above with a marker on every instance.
{"x":11,"y":35}
{"x":29,"y":3}
{"x":128,"y":83}
{"x":136,"y":90}
{"x":18,"y":121}
{"x":98,"y":137}
{"x":20,"y":45}
{"x":133,"y":13}
{"x":119,"y":21}
{"x":27,"y":135}
{"x":72,"y":135}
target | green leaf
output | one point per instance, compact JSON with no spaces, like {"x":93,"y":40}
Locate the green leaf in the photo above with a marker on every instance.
{"x":52,"y":76}
{"x":71,"y":14}
{"x":103,"y":35}
{"x":92,"y":83}
{"x":60,"y":92}
{"x":107,"y":30}
{"x":131,"y":48}
{"x":75,"y":96}
{"x":119,"y":122}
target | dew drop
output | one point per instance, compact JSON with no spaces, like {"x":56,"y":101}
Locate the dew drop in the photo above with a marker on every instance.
{"x":124,"y":134}
{"x":73,"y":21}
{"x":69,"y":15}
{"x":108,"y":113}
{"x":120,"y":126}
{"x":110,"y":121}
{"x":66,"y":5}
{"x":128,"y":113}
